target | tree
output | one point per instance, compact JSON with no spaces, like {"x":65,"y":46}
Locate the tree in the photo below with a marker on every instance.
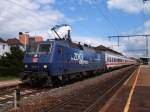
{"x":12,"y":63}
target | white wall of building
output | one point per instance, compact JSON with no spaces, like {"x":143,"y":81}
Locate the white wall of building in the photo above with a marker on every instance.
{"x":4,"y":47}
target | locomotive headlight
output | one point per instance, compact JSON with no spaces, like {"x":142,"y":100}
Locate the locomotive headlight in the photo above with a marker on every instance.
{"x":25,"y":66}
{"x":45,"y":66}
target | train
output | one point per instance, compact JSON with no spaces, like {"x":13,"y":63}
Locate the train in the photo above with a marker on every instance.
{"x":60,"y":59}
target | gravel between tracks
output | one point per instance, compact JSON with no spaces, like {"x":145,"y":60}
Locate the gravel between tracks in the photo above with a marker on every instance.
{"x":54,"y":96}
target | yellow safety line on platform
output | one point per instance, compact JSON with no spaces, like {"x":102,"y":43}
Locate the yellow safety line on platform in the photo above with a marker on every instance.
{"x":107,"y":105}
{"x":126,"y":108}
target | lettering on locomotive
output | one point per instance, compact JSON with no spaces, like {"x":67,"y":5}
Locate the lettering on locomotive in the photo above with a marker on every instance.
{"x":78,"y":56}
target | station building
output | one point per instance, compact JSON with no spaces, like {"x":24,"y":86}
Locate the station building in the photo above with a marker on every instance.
{"x":145,"y":60}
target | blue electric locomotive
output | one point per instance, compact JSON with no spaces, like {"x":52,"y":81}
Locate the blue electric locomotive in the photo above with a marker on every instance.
{"x":61,"y":59}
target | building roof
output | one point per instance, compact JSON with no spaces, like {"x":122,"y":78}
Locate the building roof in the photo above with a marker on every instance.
{"x":2,"y":41}
{"x":103,"y":48}
{"x":13,"y":41}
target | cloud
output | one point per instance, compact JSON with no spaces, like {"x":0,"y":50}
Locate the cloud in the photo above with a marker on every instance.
{"x":147,"y":23}
{"x":136,"y":46}
{"x":147,"y":27}
{"x":61,"y":31}
{"x":132,"y":47}
{"x":45,"y":1}
{"x":27,"y":15}
{"x":129,"y":6}
{"x":94,"y":41}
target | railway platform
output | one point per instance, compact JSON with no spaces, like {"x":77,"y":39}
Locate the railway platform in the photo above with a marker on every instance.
{"x":134,"y":95}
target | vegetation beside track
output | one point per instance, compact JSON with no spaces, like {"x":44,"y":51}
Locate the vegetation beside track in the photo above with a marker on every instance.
{"x":9,"y":77}
{"x":11,"y":64}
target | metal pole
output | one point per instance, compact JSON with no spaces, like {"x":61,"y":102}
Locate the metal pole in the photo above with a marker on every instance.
{"x":17,"y":98}
{"x":118,"y":41}
{"x":146,"y":45}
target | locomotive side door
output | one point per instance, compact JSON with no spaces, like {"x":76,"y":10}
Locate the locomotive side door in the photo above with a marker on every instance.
{"x":61,"y":59}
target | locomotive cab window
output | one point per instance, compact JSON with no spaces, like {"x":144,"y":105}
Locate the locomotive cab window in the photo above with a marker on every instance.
{"x":44,"y":48}
{"x":32,"y":48}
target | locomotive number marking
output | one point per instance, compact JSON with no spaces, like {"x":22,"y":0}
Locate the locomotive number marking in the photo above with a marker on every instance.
{"x":79,"y":57}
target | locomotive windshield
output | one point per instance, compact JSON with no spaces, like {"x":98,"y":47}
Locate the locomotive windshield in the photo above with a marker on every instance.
{"x":42,"y":48}
{"x":32,"y":48}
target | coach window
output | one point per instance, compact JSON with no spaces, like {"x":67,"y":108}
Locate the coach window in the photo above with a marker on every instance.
{"x":107,"y":58}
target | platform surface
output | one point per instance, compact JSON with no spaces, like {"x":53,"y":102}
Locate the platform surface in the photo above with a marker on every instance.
{"x":134,"y":95}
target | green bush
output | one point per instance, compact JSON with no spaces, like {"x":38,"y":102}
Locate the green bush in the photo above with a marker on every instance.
{"x":12,"y":63}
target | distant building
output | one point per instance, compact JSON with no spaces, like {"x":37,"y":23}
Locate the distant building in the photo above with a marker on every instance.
{"x":26,"y":39}
{"x":34,"y":39}
{"x":145,"y":60}
{"x":4,"y":47}
{"x":15,"y":42}
{"x":23,"y":38}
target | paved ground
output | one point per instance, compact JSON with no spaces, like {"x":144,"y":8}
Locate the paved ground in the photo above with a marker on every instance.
{"x":9,"y":83}
{"x":134,"y":95}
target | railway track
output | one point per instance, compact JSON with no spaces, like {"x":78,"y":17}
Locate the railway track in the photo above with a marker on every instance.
{"x":90,"y":99}
{"x":6,"y":90}
{"x":8,"y":94}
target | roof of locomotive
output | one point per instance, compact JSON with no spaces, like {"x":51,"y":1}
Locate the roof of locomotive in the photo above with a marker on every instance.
{"x":70,"y":44}
{"x":85,"y":47}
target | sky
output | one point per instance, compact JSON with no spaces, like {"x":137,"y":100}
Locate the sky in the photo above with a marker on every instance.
{"x":91,"y":21}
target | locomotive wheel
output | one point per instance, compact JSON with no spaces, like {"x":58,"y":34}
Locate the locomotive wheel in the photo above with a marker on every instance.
{"x":48,"y":81}
{"x":55,"y":80}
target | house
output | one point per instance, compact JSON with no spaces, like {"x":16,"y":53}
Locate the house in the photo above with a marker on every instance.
{"x":26,"y":39}
{"x":4,"y":47}
{"x":15,"y":42}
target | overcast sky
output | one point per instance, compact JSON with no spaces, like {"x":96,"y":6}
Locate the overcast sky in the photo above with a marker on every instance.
{"x":91,"y":20}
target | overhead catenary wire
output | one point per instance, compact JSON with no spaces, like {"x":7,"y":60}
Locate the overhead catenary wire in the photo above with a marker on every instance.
{"x":32,"y":11}
{"x":20,"y":5}
{"x":114,"y":26}
{"x":27,"y":9}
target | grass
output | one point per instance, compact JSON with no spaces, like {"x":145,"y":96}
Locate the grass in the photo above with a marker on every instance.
{"x":7,"y":77}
